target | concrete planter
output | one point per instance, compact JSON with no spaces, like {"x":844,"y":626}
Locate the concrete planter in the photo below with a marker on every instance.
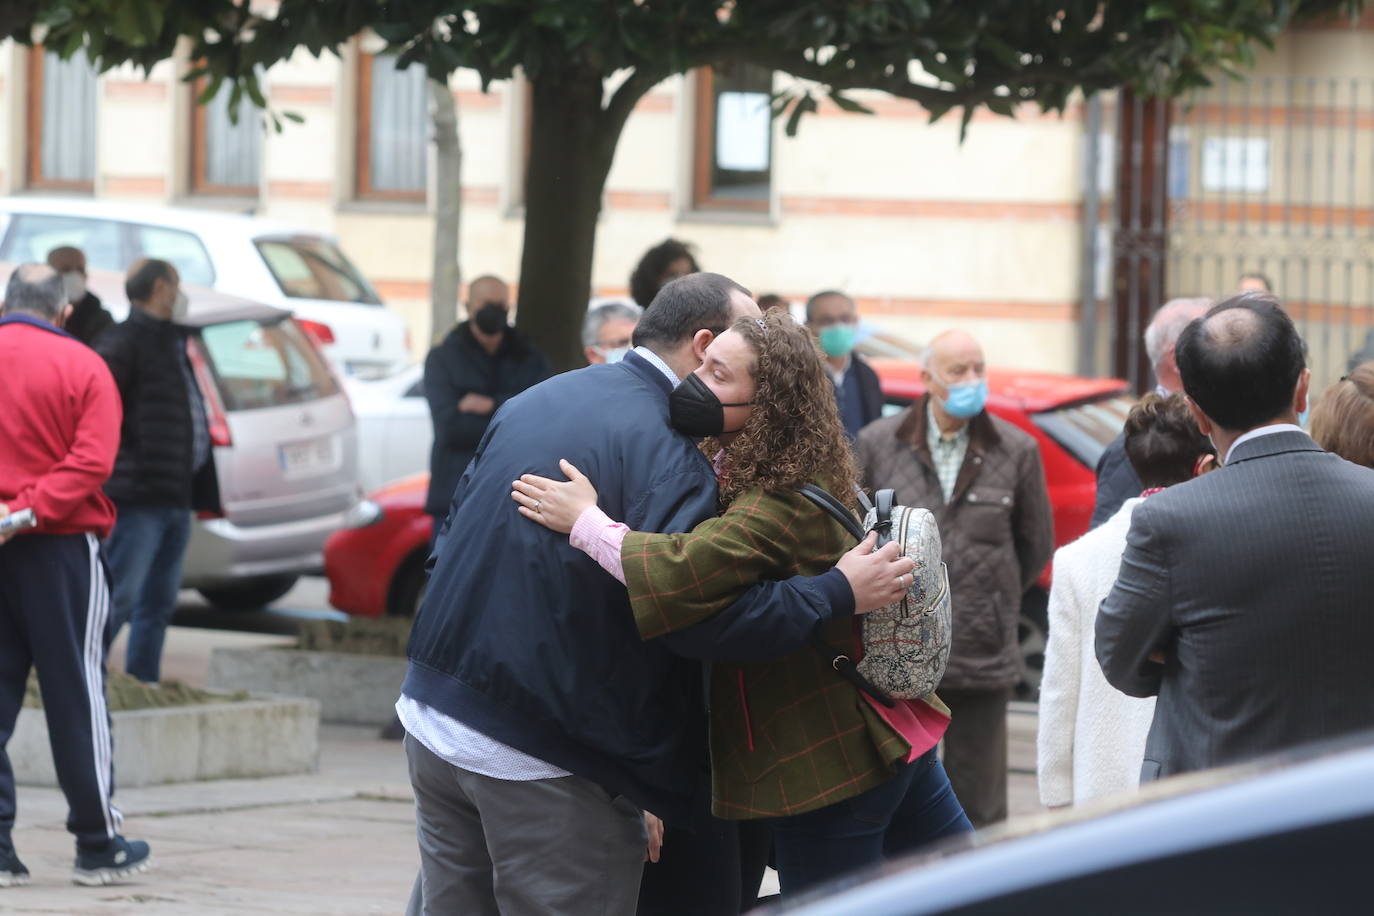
{"x":261,"y":737}
{"x":352,"y":689}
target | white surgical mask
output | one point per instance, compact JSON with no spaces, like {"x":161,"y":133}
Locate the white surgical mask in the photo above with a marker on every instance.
{"x":614,"y":354}
{"x":75,"y":285}
{"x":180,"y":305}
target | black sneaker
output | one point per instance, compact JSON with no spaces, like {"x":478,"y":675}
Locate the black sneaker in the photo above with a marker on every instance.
{"x":120,"y":859}
{"x":12,"y":871}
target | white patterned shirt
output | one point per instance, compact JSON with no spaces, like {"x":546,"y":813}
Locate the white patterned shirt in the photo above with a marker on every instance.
{"x":946,"y":451}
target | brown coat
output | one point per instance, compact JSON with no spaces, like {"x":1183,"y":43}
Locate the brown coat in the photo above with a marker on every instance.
{"x":997,"y":531}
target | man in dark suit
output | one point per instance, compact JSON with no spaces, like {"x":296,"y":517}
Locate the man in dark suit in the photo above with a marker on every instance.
{"x":834,"y":319}
{"x":1251,"y":583}
{"x":1117,"y":481}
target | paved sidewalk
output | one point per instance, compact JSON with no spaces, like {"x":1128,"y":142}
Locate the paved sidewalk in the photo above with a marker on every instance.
{"x":338,"y":841}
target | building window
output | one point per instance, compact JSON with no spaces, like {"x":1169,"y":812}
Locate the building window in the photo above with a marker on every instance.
{"x":61,"y":121}
{"x":393,"y":130}
{"x":734,"y":138}
{"x":226,"y":156}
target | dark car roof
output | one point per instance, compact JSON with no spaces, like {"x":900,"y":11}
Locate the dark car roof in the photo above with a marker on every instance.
{"x":1167,"y":819}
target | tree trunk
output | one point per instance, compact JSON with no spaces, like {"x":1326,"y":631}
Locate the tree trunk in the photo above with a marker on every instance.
{"x":572,"y":143}
{"x":448,"y":207}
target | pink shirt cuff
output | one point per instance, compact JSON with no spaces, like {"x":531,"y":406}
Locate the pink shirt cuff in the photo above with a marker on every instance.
{"x":599,"y":536}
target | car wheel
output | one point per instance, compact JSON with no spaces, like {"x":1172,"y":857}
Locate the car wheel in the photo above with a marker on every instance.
{"x":1032,"y":633}
{"x":250,"y":594}
{"x":408,"y":588}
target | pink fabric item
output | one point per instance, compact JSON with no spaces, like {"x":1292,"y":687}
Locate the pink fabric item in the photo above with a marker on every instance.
{"x":599,"y":536}
{"x":915,"y":720}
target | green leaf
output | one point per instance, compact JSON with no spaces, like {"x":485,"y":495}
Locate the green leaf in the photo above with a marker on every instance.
{"x":1157,"y":11}
{"x":1002,"y":105}
{"x":136,"y":22}
{"x":847,"y":104}
{"x":210,"y":89}
{"x":805,"y":104}
{"x":293,"y":117}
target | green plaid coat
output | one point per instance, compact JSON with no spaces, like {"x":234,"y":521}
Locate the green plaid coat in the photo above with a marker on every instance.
{"x":787,"y":736}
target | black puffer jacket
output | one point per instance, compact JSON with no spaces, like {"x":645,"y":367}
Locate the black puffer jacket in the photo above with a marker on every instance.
{"x":457,"y":366}
{"x":153,"y":467}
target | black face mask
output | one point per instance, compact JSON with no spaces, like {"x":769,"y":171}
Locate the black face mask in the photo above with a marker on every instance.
{"x":694,"y":409}
{"x":490,"y":318}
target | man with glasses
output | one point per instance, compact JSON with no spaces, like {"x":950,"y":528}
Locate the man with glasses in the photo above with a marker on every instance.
{"x":832,"y":317}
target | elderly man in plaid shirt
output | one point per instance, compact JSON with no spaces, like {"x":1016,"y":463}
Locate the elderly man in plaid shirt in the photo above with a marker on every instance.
{"x":983,"y":479}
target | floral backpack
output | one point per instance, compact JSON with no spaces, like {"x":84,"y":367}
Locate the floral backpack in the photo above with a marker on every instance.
{"x":906,"y":644}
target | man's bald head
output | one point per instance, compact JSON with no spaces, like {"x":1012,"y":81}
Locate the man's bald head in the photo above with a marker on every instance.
{"x":66,"y":258}
{"x":952,"y":350}
{"x":1242,"y":362}
{"x":36,"y":289}
{"x":487,"y":289}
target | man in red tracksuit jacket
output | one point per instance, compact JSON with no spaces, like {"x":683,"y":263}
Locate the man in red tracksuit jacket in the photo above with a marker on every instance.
{"x":59,"y":432}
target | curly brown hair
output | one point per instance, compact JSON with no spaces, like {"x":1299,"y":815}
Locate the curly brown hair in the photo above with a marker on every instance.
{"x":1343,"y":421}
{"x":793,"y":435}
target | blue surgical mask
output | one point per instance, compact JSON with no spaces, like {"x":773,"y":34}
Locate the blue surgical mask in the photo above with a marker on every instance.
{"x":1302,"y":418}
{"x":967,"y":400}
{"x":615,"y":355}
{"x":837,"y":339}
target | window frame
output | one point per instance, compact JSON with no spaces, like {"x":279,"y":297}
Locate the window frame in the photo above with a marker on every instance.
{"x":362,"y":143}
{"x":199,"y":157}
{"x":704,"y":198}
{"x":33,"y":167}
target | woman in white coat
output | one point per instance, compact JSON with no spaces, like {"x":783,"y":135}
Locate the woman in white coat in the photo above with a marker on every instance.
{"x":1092,"y":737}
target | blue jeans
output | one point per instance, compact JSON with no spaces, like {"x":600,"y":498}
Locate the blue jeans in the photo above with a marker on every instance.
{"x":913,"y":808}
{"x":145,"y":552}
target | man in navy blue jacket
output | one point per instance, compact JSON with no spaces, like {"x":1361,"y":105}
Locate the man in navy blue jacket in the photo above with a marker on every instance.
{"x":538,"y":723}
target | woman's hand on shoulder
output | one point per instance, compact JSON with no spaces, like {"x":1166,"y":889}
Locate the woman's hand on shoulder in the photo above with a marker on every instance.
{"x":555,"y":504}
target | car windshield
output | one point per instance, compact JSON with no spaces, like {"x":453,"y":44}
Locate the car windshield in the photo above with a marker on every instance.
{"x":1085,"y":430}
{"x":265,"y":364}
{"x":314,"y":268}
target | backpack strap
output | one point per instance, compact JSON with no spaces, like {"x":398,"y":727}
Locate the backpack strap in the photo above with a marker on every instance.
{"x":842,"y":664}
{"x":883,"y":504}
{"x":828,"y":503}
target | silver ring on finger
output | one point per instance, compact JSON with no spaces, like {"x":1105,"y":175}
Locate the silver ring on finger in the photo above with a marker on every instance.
{"x":536,"y":505}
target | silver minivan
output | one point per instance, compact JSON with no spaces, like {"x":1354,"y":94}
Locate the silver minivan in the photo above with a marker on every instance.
{"x":285,"y":452}
{"x":284,"y":440}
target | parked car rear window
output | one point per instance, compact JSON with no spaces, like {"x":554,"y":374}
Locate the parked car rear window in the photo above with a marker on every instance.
{"x":265,"y":364}
{"x":33,"y":235}
{"x":313,"y":268}
{"x":1085,"y":430}
{"x":180,"y":249}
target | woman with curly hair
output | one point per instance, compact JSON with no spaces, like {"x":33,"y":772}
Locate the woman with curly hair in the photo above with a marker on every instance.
{"x":842,"y":779}
{"x":666,"y":261}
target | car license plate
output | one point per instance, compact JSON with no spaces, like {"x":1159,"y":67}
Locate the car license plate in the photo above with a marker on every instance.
{"x":309,"y":458}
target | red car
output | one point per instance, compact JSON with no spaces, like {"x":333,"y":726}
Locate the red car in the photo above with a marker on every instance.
{"x":380,"y":569}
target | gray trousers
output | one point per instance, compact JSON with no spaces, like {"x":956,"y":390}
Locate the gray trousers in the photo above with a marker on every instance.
{"x":976,"y":752}
{"x":545,"y":846}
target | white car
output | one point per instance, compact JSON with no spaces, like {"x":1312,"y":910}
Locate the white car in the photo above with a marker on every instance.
{"x":394,"y":426}
{"x":271,"y":263}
